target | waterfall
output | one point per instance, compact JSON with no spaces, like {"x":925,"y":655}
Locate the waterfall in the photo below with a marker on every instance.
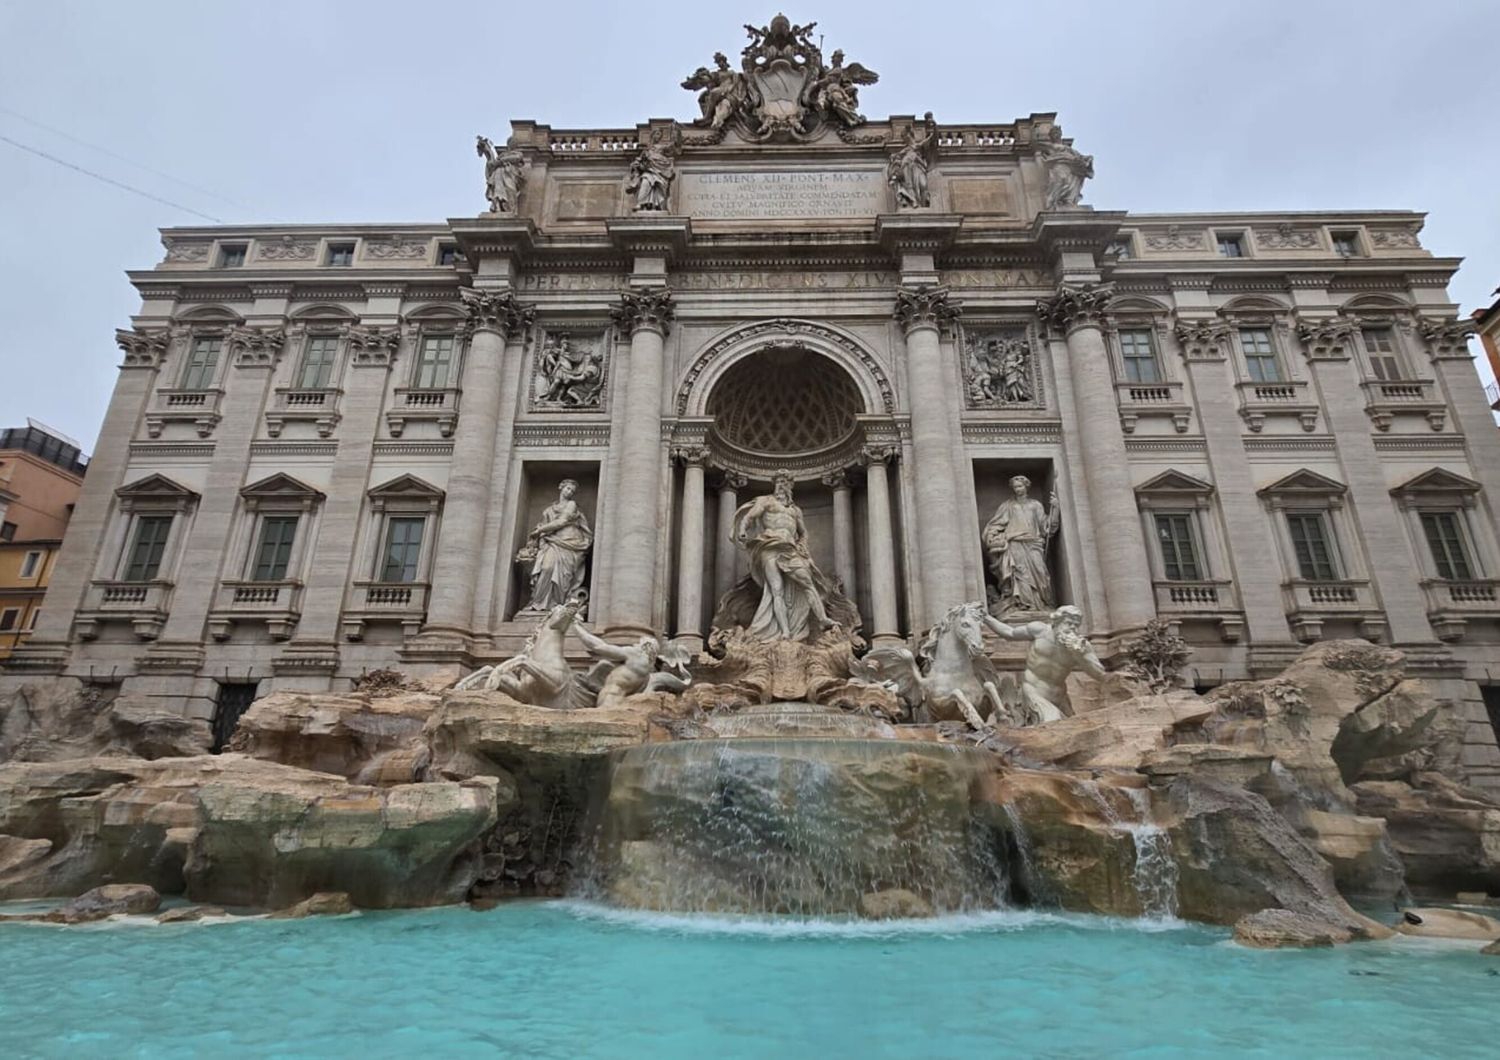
{"x":1155,"y":869}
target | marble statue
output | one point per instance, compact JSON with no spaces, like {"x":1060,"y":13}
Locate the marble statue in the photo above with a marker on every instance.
{"x":502,"y":176}
{"x":652,"y":172}
{"x":723,"y":92}
{"x":950,"y":678}
{"x":571,"y":375}
{"x":557,"y":547}
{"x":1016,"y":540}
{"x":834,"y":94}
{"x":624,"y":670}
{"x":907,"y":170}
{"x":540,"y":675}
{"x":1057,"y":649}
{"x":785,"y":596}
{"x":1067,"y":169}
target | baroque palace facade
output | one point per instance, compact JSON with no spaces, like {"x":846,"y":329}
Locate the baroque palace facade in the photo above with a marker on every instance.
{"x":331,"y":448}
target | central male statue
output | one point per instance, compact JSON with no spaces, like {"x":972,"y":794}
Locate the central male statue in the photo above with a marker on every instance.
{"x":785,"y":596}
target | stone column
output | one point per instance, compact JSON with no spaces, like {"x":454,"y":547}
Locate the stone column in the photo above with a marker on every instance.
{"x":843,"y":530}
{"x":370,"y":352}
{"x":690,"y":552}
{"x":726,"y":556}
{"x":77,"y":562}
{"x":923,"y":312}
{"x":493,"y":317}
{"x":637,"y":522}
{"x":884,"y":627}
{"x":1077,"y":313}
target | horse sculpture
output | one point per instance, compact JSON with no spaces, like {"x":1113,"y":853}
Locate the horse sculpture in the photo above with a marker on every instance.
{"x":540,"y":675}
{"x":949,"y":678}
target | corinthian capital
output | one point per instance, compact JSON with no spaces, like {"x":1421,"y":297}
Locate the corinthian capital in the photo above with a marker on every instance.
{"x":374,"y":345}
{"x":1326,"y":339}
{"x":1202,"y":340}
{"x":691,"y":455}
{"x":496,"y":311}
{"x":143,"y":349}
{"x":255,"y":347}
{"x":925,"y":306}
{"x":1076,"y":307}
{"x":1446,"y":338}
{"x":650,"y":309}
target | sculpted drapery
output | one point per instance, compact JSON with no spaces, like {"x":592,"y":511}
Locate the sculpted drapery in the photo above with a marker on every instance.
{"x":561,"y":542}
{"x":1016,"y":539}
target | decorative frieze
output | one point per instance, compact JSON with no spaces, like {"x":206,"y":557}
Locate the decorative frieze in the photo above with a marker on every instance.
{"x":396,"y":248}
{"x":1151,"y":444}
{"x":422,"y":449}
{"x":185,"y":253}
{"x":925,"y":305}
{"x":570,"y":371}
{"x":324,"y":449}
{"x":651,"y":310}
{"x":1175,"y":238}
{"x":1395,"y":238}
{"x":1076,"y":307}
{"x":287,"y":248}
{"x":1000,"y":368}
{"x":1285,"y":237}
{"x":1037,"y":432}
{"x":564,"y":435}
{"x":171,"y":450}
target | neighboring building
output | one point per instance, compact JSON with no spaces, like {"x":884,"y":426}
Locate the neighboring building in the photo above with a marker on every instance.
{"x":1488,"y":323}
{"x":328,"y":443}
{"x":41,"y":475}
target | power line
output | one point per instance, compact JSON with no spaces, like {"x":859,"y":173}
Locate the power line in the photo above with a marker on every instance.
{"x":115,"y":155}
{"x":109,"y":180}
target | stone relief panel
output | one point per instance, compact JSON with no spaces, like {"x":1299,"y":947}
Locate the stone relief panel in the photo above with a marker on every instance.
{"x":1287,"y":237}
{"x":570,"y":371}
{"x":286,"y":249}
{"x":1000,"y":367}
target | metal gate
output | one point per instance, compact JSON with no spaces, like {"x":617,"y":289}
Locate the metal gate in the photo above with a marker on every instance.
{"x":233,"y":700}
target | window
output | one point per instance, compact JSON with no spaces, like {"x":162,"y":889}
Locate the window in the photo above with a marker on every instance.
{"x":317,"y":362}
{"x":1446,"y":541}
{"x":1380,"y":347}
{"x":146,"y":550}
{"x":274,"y":550}
{"x":1121,"y":248}
{"x":231,"y":255}
{"x":1313,"y":546}
{"x":435,"y":362}
{"x":340,"y":253}
{"x":203,"y":361}
{"x":31,"y":622}
{"x":7,"y":531}
{"x":1231,"y":245}
{"x":1139,"y":356}
{"x":30,"y":563}
{"x":403,"y":547}
{"x":448,"y":254}
{"x":1179,"y":555}
{"x":1345,"y":244}
{"x":9,"y":618}
{"x":1260,"y":355}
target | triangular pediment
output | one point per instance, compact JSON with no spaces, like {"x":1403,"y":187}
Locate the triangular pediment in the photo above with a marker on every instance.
{"x":154,"y":486}
{"x":406,"y":486}
{"x":279,"y":485}
{"x":1175,"y":481}
{"x":1304,"y":482}
{"x":1438,"y":480}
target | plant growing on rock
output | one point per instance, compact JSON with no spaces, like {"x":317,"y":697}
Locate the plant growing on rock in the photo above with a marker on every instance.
{"x":381,"y":682}
{"x":1157,"y":656}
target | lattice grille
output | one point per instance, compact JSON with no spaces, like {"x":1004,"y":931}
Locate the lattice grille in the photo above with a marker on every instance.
{"x":785,"y":401}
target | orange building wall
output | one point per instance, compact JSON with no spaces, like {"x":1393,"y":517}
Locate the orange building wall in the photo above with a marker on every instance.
{"x":23,"y":595}
{"x":43,"y":492}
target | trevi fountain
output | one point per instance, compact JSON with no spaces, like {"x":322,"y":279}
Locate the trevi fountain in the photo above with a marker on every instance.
{"x":852,"y":814}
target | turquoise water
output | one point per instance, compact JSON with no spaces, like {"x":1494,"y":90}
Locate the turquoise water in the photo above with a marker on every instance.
{"x":569,"y":980}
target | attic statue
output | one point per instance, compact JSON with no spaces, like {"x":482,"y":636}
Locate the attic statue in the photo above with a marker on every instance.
{"x":502,"y":175}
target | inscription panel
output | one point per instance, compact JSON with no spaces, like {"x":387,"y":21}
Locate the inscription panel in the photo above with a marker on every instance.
{"x":781,"y":193}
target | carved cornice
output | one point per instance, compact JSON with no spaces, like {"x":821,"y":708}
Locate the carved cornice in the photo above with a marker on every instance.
{"x":1072,"y":308}
{"x":497,"y":311}
{"x":1446,"y":339}
{"x":255,"y":347}
{"x":1326,"y":340}
{"x":571,"y":434}
{"x":925,"y":306}
{"x":374,"y":346}
{"x":143,"y":349}
{"x":651,"y":310}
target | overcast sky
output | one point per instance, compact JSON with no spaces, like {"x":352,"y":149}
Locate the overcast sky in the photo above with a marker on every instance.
{"x":321,"y":111}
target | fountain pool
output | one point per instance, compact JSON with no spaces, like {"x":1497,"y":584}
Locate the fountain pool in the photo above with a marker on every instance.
{"x":572,"y":979}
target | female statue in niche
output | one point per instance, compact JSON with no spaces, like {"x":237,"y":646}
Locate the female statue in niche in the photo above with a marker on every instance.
{"x":785,"y":596}
{"x":557,"y":547}
{"x":1015,"y":540}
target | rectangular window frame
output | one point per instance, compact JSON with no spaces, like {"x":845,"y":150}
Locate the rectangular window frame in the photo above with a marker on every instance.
{"x":138,"y":567}
{"x":339,"y":253}
{"x":1455,"y":546}
{"x":408,"y":568}
{"x":1255,"y":362}
{"x":10,"y":620}
{"x":1385,"y":366}
{"x":1132,"y":364}
{"x":272,"y":557}
{"x":1308,"y":568}
{"x":449,"y":254}
{"x":1172,"y":558}
{"x":324,"y":368}
{"x":201,"y":368}
{"x":422,"y":379}
{"x":31,"y":564}
{"x":1348,"y":236}
{"x":232,"y":255}
{"x":1228,"y":238}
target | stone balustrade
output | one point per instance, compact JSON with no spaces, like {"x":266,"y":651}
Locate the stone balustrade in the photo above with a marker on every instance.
{"x":375,"y":601}
{"x":318,"y":406}
{"x":1451,"y":603}
{"x":276,"y":603}
{"x":201,"y":408}
{"x":143,"y":604}
{"x":430,"y":404}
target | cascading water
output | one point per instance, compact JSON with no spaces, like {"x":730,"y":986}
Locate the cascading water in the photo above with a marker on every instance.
{"x":1155,"y":868}
{"x":810,"y":824}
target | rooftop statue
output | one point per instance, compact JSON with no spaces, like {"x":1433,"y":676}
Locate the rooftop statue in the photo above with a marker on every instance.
{"x":502,"y":175}
{"x":652,"y":172}
{"x":907,"y":169}
{"x":1067,"y":169}
{"x":783,"y":87}
{"x":785,"y":596}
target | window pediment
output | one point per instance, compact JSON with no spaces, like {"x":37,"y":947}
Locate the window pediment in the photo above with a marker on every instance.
{"x":406,"y":486}
{"x":155,"y":487}
{"x":1304,"y":485}
{"x":1437,"y":486}
{"x":281,"y":487}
